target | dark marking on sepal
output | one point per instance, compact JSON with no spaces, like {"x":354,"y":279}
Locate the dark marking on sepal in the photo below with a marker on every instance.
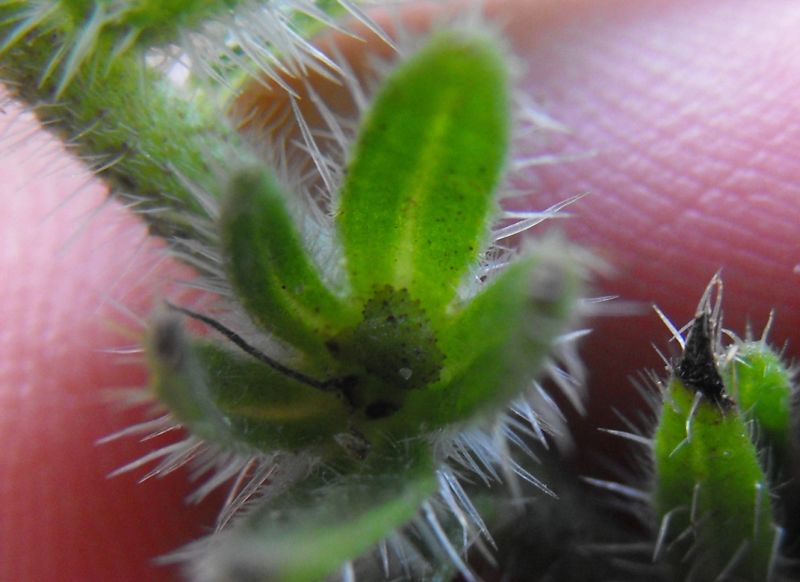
{"x":395,"y":341}
{"x":169,"y":342}
{"x":380,"y":409}
{"x":697,"y":367}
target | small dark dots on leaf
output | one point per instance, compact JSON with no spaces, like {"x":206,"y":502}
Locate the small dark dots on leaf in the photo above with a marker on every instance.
{"x":395,"y":333}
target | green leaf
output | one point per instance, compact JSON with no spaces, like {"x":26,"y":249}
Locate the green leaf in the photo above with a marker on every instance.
{"x":708,"y":479}
{"x":416,"y":203}
{"x":307,"y":533}
{"x":495,"y":345}
{"x":228,"y":398}
{"x":270,"y":269}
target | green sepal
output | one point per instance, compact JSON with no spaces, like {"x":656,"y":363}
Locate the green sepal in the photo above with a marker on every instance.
{"x":229,"y":398}
{"x":495,"y":345}
{"x":308,"y":532}
{"x":179,"y":381}
{"x":270,"y":269}
{"x":708,"y":479}
{"x":762,"y":385}
{"x":417,"y":199}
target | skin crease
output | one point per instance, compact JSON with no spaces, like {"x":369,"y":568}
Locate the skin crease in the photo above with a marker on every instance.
{"x":688,"y":108}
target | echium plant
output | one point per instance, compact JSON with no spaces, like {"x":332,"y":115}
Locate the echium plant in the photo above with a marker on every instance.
{"x":721,"y":501}
{"x":710,"y":491}
{"x":368,"y":339}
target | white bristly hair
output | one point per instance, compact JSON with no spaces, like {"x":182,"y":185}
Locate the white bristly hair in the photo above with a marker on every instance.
{"x":259,"y":39}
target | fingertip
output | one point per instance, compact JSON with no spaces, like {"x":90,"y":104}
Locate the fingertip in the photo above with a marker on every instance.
{"x":686,"y":109}
{"x":77,"y":274}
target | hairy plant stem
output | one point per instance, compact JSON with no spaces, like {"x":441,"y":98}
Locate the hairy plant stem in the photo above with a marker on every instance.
{"x":154,"y":148}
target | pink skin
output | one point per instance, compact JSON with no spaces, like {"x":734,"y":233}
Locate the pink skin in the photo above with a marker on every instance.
{"x":691,"y":108}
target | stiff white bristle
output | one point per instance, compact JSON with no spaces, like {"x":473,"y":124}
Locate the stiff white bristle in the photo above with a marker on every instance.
{"x":310,"y":163}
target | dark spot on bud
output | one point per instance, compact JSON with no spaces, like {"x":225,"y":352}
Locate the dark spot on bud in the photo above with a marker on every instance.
{"x":395,"y":333}
{"x":697,"y":367}
{"x":380,"y":409}
{"x":347,"y":388}
{"x":169,"y":342}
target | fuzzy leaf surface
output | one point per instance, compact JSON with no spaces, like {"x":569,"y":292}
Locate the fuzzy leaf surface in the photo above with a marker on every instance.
{"x":154,"y":147}
{"x":307,"y":533}
{"x":495,"y":345}
{"x":762,"y":385}
{"x":714,"y":484}
{"x":153,"y":21}
{"x":416,"y":202}
{"x":273,"y":275}
{"x":228,"y":399}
